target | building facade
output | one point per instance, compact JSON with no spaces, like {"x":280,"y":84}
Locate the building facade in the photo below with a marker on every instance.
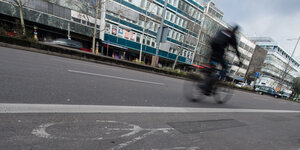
{"x":212,"y":23}
{"x":276,"y":66}
{"x":128,"y":28}
{"x":125,"y":26}
{"x":256,"y":64}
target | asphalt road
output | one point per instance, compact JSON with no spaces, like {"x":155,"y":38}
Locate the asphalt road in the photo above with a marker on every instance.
{"x":97,"y":106}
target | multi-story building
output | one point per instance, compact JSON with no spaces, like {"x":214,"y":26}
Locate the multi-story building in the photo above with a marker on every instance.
{"x":212,"y":23}
{"x":256,"y":64}
{"x":246,"y":49}
{"x":126,"y":27}
{"x":276,"y":65}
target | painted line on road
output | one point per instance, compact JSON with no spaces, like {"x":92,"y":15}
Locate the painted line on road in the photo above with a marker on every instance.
{"x":115,"y":77}
{"x":90,"y":64}
{"x":63,"y":108}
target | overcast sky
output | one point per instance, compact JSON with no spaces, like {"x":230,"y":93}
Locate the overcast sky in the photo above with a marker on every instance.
{"x":278,"y":19}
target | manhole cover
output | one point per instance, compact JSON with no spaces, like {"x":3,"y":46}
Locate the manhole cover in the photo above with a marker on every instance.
{"x":205,"y":125}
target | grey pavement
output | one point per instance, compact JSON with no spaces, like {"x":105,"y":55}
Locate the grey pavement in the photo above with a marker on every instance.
{"x":33,"y":78}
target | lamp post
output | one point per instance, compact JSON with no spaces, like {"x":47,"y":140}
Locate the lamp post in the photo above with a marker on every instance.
{"x":288,"y":64}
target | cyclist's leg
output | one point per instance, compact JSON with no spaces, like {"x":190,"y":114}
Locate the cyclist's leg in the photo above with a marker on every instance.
{"x":211,"y":78}
{"x":224,"y":68}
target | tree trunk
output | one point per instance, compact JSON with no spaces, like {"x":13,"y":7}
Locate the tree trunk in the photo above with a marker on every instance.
{"x":22,"y":17}
{"x":95,"y":27}
{"x":175,"y":62}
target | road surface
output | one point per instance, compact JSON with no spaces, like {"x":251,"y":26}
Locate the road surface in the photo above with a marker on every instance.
{"x":50,"y":102}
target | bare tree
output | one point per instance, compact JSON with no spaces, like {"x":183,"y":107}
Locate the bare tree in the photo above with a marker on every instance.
{"x":90,"y":9}
{"x":20,"y":4}
{"x":186,"y":40}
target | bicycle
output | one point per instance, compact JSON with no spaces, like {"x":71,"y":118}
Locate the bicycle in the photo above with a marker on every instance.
{"x":194,"y":89}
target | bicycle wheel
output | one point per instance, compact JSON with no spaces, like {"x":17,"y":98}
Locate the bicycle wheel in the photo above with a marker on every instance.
{"x":192,"y":91}
{"x":222,"y":94}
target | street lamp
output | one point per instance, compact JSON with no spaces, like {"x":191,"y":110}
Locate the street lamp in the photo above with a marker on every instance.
{"x":288,"y":64}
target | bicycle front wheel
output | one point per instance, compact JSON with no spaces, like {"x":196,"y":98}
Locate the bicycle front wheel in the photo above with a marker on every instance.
{"x":222,"y":94}
{"x":192,"y":91}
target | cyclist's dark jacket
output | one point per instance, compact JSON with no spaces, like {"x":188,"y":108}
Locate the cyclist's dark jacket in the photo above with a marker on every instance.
{"x":223,"y":39}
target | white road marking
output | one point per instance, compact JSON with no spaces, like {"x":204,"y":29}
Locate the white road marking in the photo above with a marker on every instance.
{"x":122,"y":145}
{"x":63,"y":108}
{"x":115,"y":77}
{"x":41,"y":131}
{"x":90,"y":64}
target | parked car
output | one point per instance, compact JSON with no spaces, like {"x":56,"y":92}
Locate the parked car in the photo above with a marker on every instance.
{"x":267,"y":90}
{"x":284,"y":94}
{"x":67,"y":43}
{"x":241,"y":84}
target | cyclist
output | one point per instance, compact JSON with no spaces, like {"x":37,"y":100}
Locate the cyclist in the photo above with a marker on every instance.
{"x":219,"y":43}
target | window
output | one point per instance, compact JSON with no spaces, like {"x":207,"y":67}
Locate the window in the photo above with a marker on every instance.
{"x":153,"y":43}
{"x":83,"y":22}
{"x":138,"y":37}
{"x":75,"y":19}
{"x":158,"y":11}
{"x":155,"y":27}
{"x":173,"y":35}
{"x":185,"y":24}
{"x":176,"y":20}
{"x":142,"y":3}
{"x":167,"y":15}
{"x":144,"y":39}
{"x":175,"y":3}
{"x":148,"y":41}
{"x":170,"y":33}
{"x":177,"y":35}
{"x":180,"y":22}
{"x":172,"y":18}
{"x":181,"y":37}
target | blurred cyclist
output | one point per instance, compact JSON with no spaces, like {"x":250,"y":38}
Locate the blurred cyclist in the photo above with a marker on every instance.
{"x":219,"y":43}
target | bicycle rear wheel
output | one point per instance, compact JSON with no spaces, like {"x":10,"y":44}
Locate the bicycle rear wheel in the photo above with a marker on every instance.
{"x":222,"y":94}
{"x":192,"y":91}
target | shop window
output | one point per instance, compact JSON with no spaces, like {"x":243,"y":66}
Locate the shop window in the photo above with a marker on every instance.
{"x":75,"y":19}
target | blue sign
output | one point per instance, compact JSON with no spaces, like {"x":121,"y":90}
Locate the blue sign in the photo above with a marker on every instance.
{"x":257,"y":74}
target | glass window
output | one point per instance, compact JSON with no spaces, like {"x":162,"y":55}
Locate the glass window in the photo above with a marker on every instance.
{"x":181,"y":37}
{"x":185,"y":24}
{"x":175,"y":3}
{"x":148,"y":41}
{"x":158,"y":11}
{"x":180,"y":22}
{"x":107,"y":28}
{"x":142,"y":3}
{"x":83,"y":22}
{"x":177,"y":35}
{"x":153,"y":43}
{"x":173,"y":35}
{"x":176,"y":20}
{"x":167,"y":15}
{"x":144,"y":39}
{"x":170,"y":33}
{"x":172,"y":18}
{"x":138,"y":37}
{"x":75,"y":19}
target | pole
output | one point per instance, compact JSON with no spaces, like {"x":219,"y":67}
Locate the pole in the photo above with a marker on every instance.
{"x":95,"y":26}
{"x":158,"y":38}
{"x":288,"y":64}
{"x":69,"y":35}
